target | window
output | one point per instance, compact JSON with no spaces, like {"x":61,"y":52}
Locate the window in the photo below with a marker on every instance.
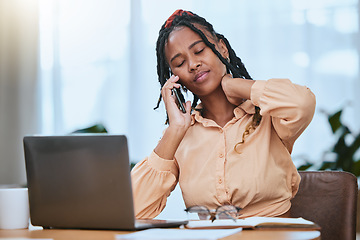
{"x":98,"y":60}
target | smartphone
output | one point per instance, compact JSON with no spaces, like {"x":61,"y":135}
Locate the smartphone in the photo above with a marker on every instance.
{"x":180,"y":99}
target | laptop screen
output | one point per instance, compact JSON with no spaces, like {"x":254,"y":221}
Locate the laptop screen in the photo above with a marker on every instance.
{"x":79,"y":181}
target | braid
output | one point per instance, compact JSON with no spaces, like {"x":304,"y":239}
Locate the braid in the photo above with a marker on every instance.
{"x":162,"y":66}
{"x":188,"y":19}
{"x":235,"y":61}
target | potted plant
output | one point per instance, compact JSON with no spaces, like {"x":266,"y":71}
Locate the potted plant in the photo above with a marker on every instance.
{"x":342,"y":153}
{"x":97,"y":128}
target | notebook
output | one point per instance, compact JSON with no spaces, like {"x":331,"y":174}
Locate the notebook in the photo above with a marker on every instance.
{"x":82,"y":182}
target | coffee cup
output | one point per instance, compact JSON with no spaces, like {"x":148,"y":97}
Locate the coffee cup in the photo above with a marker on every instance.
{"x":14,"y":208}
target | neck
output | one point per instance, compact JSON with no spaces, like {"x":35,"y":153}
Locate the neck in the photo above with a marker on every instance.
{"x":217,"y":108}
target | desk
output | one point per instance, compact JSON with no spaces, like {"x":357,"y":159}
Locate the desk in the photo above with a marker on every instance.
{"x":58,"y":234}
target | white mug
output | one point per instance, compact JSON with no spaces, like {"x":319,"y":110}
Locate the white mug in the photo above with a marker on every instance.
{"x":14,"y":208}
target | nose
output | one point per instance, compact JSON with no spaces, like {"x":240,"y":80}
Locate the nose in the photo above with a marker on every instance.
{"x":194,"y":64}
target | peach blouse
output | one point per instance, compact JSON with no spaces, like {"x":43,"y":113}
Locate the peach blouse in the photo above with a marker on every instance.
{"x":259,"y":176}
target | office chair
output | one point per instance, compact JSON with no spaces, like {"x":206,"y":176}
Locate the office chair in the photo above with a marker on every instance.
{"x":328,"y":198}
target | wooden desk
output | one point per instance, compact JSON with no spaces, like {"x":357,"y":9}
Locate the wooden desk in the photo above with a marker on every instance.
{"x":57,"y":234}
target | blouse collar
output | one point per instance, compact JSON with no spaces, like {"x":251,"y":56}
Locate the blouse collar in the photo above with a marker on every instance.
{"x":244,"y":108}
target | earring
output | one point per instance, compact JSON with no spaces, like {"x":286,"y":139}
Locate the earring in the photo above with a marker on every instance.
{"x":228,"y":59}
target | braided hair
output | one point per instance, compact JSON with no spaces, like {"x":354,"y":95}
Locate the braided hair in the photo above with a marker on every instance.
{"x":233,"y":66}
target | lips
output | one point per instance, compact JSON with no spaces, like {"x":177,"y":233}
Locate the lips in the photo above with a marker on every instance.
{"x":200,"y":76}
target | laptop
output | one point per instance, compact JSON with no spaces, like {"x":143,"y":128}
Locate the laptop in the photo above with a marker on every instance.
{"x":82,"y":182}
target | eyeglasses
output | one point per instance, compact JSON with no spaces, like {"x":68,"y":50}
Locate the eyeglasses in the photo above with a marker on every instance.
{"x":222,"y":212}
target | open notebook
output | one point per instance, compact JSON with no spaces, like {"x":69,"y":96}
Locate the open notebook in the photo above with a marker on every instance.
{"x":255,"y":223}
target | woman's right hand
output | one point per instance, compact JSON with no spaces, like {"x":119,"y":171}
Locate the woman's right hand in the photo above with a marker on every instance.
{"x":177,"y":119}
{"x":179,"y":122}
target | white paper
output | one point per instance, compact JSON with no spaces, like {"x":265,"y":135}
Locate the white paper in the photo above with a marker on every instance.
{"x":217,"y":223}
{"x":177,"y":234}
{"x":249,"y":222}
{"x":253,"y":221}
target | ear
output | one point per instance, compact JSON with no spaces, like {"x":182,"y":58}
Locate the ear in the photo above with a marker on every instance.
{"x":223,"y":49}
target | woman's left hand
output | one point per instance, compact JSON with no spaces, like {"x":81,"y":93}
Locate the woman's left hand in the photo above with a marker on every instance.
{"x":237,"y":90}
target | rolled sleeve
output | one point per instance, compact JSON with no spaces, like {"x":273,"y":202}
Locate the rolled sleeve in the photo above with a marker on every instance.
{"x":162,"y":165}
{"x":257,"y":90}
{"x":153,"y":179}
{"x":290,"y":106}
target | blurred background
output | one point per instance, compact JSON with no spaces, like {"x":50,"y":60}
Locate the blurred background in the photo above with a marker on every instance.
{"x":70,"y":64}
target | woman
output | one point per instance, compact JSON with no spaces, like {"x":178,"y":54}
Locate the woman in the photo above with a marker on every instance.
{"x":234,"y":147}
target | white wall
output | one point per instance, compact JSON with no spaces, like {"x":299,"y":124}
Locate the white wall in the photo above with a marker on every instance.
{"x":18,"y":84}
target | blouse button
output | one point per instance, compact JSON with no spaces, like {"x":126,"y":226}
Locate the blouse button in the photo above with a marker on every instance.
{"x":220,"y":130}
{"x":220,"y":181}
{"x":221,"y":155}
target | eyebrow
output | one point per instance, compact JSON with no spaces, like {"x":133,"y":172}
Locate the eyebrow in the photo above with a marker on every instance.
{"x":190,"y":47}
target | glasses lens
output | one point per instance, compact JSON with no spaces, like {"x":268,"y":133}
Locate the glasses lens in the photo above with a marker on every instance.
{"x":227,"y":211}
{"x":204,"y":216}
{"x":222,"y":212}
{"x":198,"y":212}
{"x":197,"y":209}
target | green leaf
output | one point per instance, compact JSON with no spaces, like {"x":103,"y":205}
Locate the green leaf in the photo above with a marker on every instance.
{"x":340,"y":148}
{"x":132,"y":165}
{"x":335,"y":121}
{"x":305,"y":166}
{"x":97,"y":128}
{"x":354,"y":145}
{"x":356,"y":168}
{"x":327,"y":165}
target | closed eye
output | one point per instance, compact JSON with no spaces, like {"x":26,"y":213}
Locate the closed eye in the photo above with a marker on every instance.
{"x":199,"y":51}
{"x":180,"y":64}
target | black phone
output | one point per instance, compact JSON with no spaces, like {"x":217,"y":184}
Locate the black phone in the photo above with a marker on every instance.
{"x":180,"y":99}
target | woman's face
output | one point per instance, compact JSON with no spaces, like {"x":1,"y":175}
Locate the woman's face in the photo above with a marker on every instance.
{"x":197,"y":66}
